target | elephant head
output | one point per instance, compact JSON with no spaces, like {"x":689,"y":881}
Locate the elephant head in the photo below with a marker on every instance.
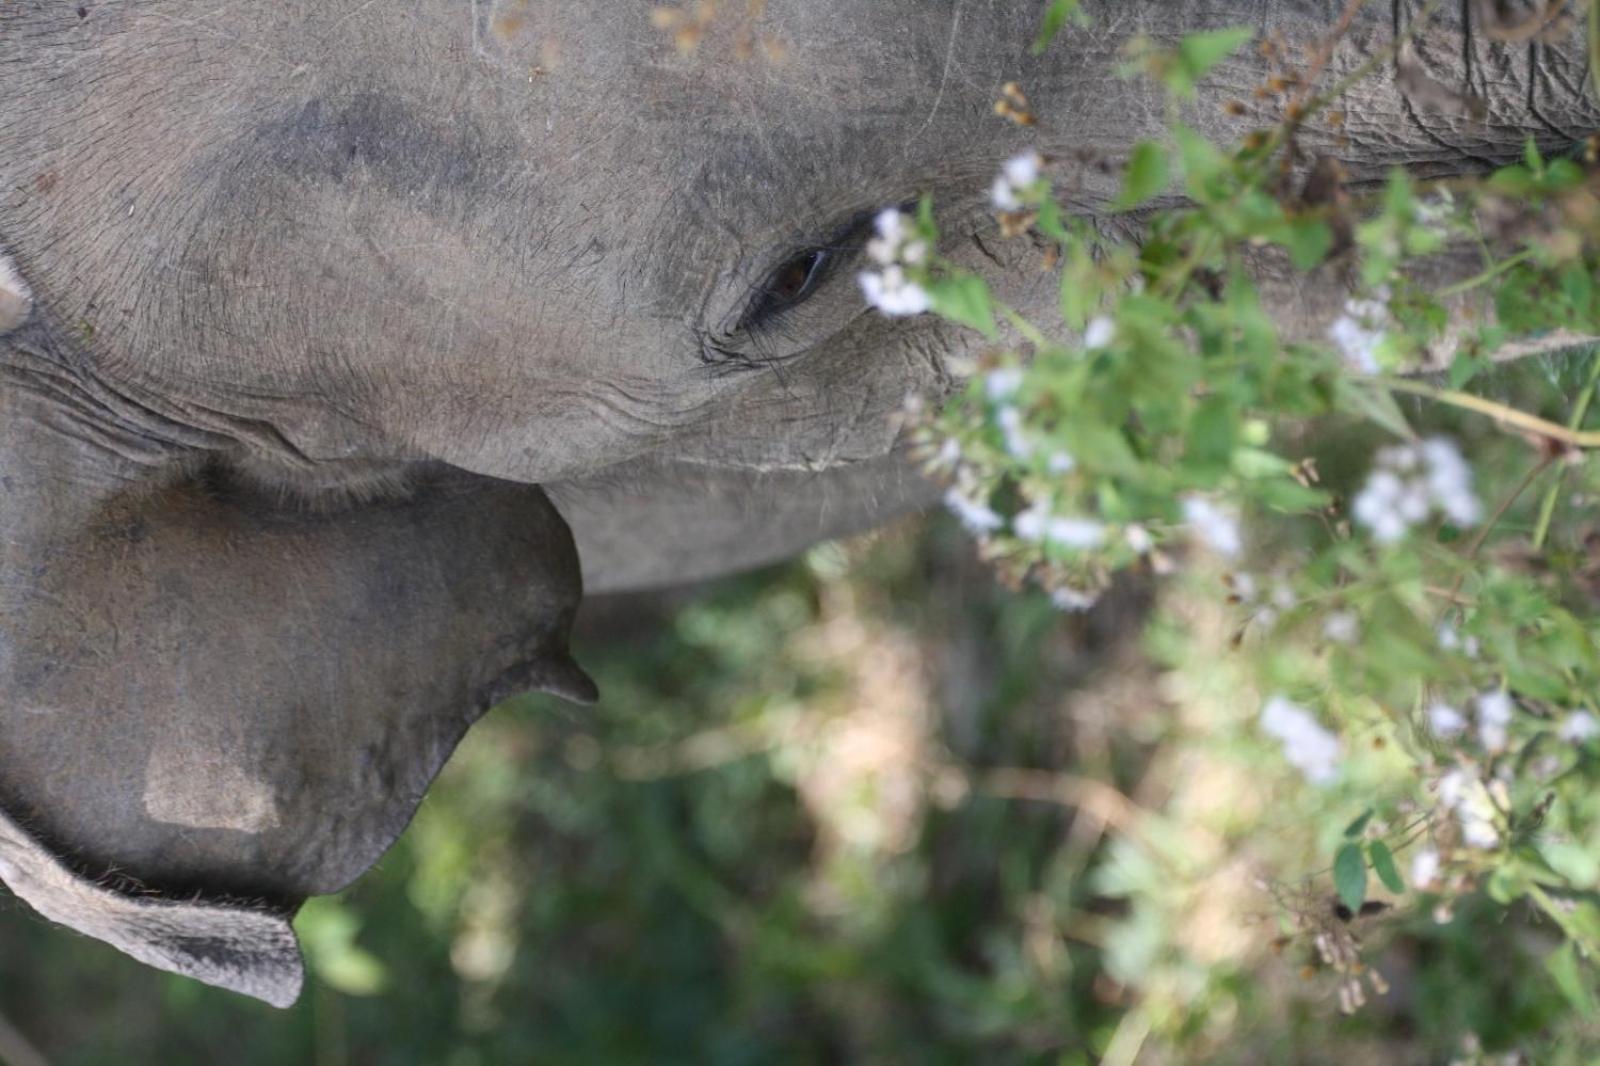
{"x":308,"y":305}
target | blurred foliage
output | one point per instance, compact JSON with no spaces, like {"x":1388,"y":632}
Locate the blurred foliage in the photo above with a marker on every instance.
{"x":870,"y":807}
{"x":866,"y":807}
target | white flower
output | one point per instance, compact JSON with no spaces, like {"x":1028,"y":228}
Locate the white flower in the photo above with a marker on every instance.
{"x":1408,"y":483}
{"x":1023,"y":169}
{"x":1016,"y":175}
{"x":1424,"y":868}
{"x":1449,"y":639}
{"x":895,"y":247}
{"x":1494,"y":715}
{"x":1465,"y":796}
{"x":1002,"y":383}
{"x":1003,"y":196}
{"x":893,"y":232}
{"x":1139,"y":539}
{"x":1100,"y":332}
{"x":1579,"y":727}
{"x":1480,"y":833}
{"x":1217,"y":528}
{"x":1359,"y":332}
{"x":1083,"y":534}
{"x":891,"y":292}
{"x":1075,"y":601}
{"x":1446,"y":721}
{"x":1017,"y":443}
{"x":1079,"y":534}
{"x":1029,"y":524}
{"x":1342,"y":627}
{"x":1376,"y":506}
{"x":1450,"y":481}
{"x":949,"y":454}
{"x":977,"y":517}
{"x":1061,"y":463}
{"x":1306,"y":744}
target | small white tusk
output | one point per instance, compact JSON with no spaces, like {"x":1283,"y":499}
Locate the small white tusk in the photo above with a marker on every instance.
{"x":16,"y":299}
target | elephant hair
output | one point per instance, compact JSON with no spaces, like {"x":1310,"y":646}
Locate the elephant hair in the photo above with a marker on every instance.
{"x":240,"y":948}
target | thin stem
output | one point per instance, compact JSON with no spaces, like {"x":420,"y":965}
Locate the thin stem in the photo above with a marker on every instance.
{"x":1024,"y":327}
{"x":1500,"y":412}
{"x":1547,"y":507}
{"x":1488,"y":275}
{"x":1500,"y":512}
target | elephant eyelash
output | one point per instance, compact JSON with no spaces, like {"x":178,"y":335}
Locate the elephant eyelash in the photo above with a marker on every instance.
{"x":789,"y":286}
{"x":770,"y":311}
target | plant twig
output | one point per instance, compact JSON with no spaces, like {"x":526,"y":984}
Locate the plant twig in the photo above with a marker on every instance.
{"x":1488,"y":275}
{"x":1500,"y":412}
{"x":1500,"y":512}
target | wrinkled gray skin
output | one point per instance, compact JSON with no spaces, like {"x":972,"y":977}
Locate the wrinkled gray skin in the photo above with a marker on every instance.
{"x":311,"y":304}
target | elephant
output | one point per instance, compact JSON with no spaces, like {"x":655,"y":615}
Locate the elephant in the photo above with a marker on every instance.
{"x":344,"y":344}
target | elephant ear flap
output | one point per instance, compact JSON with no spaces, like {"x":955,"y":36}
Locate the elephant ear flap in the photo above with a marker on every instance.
{"x":242,"y":949}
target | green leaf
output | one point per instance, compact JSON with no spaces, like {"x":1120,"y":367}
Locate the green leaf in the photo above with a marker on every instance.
{"x":1202,"y":162}
{"x":1146,"y":175}
{"x":1531,"y":156}
{"x":1507,"y":883}
{"x":1212,"y":436}
{"x":964,"y":299}
{"x":1350,"y":876}
{"x":1308,"y":241}
{"x":1202,"y":51}
{"x":1383,"y":865}
{"x":1055,"y":17}
{"x":1371,"y":401}
{"x":1354,"y":829}
{"x":1564,"y":967}
{"x":1464,"y":368}
{"x":1575,"y":863}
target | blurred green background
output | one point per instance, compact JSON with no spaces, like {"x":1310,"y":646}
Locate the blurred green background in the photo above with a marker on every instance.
{"x":865,"y":807}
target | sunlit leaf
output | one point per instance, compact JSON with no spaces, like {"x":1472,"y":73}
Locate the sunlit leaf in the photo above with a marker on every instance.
{"x":1146,"y":175}
{"x":1350,"y":876}
{"x":1383,"y":865}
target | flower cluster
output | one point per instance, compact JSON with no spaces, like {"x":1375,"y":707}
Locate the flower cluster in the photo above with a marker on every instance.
{"x":1411,"y":482}
{"x":1264,"y":604}
{"x":1310,"y":747}
{"x":895,"y":247}
{"x":978,"y":518}
{"x":1216,"y":526}
{"x":1038,"y":524}
{"x":1015,"y":180}
{"x":1469,"y":799}
{"x":1001,"y":386}
{"x":1359,"y":332}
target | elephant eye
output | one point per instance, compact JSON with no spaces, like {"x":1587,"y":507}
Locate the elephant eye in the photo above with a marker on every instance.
{"x":788,"y":286}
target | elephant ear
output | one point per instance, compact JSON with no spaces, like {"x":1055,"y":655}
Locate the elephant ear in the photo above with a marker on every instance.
{"x":243,"y":949}
{"x":209,"y":692}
